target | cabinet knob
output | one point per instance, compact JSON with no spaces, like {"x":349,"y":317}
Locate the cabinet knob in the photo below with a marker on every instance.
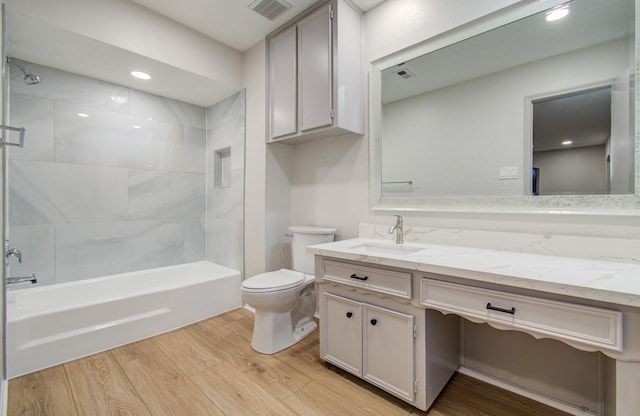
{"x":374,"y":321}
{"x":349,"y":314}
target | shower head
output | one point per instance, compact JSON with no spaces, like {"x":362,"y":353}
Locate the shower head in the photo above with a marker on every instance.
{"x":29,"y":78}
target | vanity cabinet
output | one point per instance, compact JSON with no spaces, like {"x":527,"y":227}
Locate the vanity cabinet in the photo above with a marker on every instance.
{"x":314,"y":75}
{"x":375,"y":343}
{"x":585,"y":327}
{"x":370,"y":328}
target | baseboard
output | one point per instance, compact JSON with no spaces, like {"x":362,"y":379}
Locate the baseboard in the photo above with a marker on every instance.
{"x":565,"y":407}
{"x":4,"y":395}
{"x":249,"y":308}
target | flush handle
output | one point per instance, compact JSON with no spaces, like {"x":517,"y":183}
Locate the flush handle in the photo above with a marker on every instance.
{"x":355,"y":276}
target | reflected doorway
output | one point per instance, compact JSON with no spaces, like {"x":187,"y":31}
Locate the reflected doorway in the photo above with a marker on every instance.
{"x":581,"y":146}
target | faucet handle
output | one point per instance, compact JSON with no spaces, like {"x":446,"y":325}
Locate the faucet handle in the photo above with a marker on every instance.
{"x":398,"y":219}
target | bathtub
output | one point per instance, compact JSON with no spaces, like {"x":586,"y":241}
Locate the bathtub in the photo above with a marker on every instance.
{"x":53,"y":324}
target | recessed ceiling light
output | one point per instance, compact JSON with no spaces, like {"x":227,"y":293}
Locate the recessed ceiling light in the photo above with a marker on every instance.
{"x":567,"y":142}
{"x":136,"y":127}
{"x":557,"y":13}
{"x":140,"y":75}
{"x":84,"y":115}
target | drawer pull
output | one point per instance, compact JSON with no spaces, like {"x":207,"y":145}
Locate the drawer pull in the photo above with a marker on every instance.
{"x":349,"y":314}
{"x":355,"y":276}
{"x":512,"y":311}
{"x":374,"y":322}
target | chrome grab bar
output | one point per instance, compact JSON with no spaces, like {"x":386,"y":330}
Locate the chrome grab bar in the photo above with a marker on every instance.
{"x":20,"y":142}
{"x":13,"y":280}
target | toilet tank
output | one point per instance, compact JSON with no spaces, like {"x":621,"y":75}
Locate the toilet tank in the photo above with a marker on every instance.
{"x":304,"y":236}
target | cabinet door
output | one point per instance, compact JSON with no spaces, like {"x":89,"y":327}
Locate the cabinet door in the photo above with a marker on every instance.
{"x":315,"y":72}
{"x":389,"y":358}
{"x":282,"y":83}
{"x":343,"y":333}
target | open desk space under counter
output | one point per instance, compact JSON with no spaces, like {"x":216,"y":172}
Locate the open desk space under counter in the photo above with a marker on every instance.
{"x":390,"y":313}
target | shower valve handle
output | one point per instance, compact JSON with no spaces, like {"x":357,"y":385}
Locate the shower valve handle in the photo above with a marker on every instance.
{"x":14,"y":252}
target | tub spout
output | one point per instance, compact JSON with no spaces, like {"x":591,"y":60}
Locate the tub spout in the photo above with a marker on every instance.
{"x":13,"y":280}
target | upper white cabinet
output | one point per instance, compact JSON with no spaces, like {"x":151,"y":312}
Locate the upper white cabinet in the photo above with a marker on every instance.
{"x":314,"y":74}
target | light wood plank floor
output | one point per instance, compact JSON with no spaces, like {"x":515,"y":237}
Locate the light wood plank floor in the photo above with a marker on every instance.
{"x":209,"y":368}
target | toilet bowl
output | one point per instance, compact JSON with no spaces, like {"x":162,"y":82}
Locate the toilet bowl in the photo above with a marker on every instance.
{"x":285,"y":300}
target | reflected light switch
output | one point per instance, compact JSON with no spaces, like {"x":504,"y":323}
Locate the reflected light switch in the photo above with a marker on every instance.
{"x":508,"y":172}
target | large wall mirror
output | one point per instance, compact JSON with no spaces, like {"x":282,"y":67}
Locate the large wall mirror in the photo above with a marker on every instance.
{"x":534,"y":115}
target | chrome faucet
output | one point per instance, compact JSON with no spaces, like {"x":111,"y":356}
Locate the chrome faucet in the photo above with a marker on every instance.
{"x":14,"y":252}
{"x":13,"y":280}
{"x":398,"y":228}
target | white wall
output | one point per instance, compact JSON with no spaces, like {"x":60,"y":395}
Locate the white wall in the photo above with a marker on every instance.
{"x":254,"y":80}
{"x":582,"y":170}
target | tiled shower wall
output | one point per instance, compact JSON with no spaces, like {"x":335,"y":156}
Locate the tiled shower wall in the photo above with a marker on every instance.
{"x":124,"y":187}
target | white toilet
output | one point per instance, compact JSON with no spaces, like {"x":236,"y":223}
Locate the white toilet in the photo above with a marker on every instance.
{"x":285,"y":300}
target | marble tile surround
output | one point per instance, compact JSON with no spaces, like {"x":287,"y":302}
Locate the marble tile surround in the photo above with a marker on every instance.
{"x":92,"y":196}
{"x":225,"y":224}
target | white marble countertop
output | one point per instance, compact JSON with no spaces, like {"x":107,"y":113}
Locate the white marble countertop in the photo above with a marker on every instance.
{"x":597,"y":280}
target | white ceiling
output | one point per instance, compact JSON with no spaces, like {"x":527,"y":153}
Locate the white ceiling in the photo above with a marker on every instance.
{"x":231,"y":21}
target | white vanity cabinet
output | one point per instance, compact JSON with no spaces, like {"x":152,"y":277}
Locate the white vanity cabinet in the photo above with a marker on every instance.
{"x":590,"y":305}
{"x":375,"y":343}
{"x":314,"y":75}
{"x":370,"y":328}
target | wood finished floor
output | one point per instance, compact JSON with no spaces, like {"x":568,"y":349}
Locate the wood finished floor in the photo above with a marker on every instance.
{"x":209,"y":368}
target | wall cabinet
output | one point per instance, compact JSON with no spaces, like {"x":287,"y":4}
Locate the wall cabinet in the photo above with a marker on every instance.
{"x":314,"y":75}
{"x":377,"y":344}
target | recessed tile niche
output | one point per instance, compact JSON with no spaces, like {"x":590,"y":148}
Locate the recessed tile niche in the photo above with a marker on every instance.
{"x":222,"y":168}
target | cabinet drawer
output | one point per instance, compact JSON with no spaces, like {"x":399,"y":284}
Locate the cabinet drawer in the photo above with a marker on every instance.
{"x":591,"y":326}
{"x":377,"y":280}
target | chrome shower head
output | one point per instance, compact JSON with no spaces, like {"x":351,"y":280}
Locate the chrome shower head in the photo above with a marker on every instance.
{"x":29,"y":78}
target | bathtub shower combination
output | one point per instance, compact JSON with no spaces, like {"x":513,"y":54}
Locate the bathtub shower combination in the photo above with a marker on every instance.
{"x":50,"y":325}
{"x":133,"y":184}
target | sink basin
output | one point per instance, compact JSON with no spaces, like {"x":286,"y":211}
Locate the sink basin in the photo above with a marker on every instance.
{"x":397,"y":250}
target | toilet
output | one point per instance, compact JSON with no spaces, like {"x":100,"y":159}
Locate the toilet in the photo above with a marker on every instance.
{"x":285,"y":300}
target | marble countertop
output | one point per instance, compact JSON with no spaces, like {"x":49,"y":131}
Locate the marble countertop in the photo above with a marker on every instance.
{"x":597,"y":280}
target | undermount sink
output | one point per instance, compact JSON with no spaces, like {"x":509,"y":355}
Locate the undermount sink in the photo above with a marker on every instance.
{"x":380,"y":248}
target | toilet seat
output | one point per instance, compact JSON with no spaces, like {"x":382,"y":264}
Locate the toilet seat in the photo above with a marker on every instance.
{"x":274,"y":281}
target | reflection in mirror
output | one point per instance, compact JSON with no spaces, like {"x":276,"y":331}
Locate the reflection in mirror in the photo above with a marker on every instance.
{"x":577,"y":149}
{"x":474,"y":118}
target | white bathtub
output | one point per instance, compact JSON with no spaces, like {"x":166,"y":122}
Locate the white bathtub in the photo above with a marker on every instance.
{"x":53,"y":324}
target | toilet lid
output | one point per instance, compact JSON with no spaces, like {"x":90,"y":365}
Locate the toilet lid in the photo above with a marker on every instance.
{"x":272,"y":281}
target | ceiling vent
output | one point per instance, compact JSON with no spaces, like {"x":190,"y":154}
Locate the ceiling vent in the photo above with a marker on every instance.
{"x":270,"y":9}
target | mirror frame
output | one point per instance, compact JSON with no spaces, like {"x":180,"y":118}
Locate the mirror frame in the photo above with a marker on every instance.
{"x":616,"y":205}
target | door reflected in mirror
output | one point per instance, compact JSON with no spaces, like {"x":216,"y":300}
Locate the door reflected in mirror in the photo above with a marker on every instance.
{"x":578,"y":148}
{"x":473,"y":118}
